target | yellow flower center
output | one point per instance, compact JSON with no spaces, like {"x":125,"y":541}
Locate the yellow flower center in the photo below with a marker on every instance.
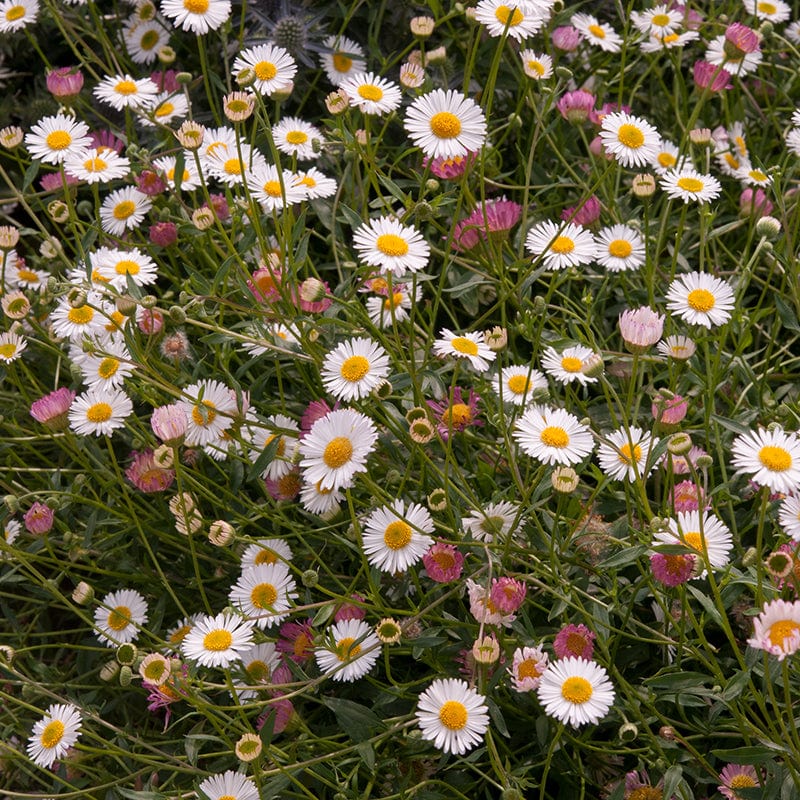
{"x":701,"y":300}
{"x":265,"y":70}
{"x":732,"y":161}
{"x":554,"y":437}
{"x":576,"y":690}
{"x":774,"y":458}
{"x":693,"y":185}
{"x":397,"y":535}
{"x":518,"y":384}
{"x":463,"y":345}
{"x":620,"y":248}
{"x":52,"y":734}
{"x":264,"y":595}
{"x":126,"y":267}
{"x":743,"y":781}
{"x":630,"y":136}
{"x":27,"y":275}
{"x":369,"y":91}
{"x":660,"y":20}
{"x":669,"y":39}
{"x":124,"y":209}
{"x":301,"y":644}
{"x":393,"y":301}
{"x":179,"y":635}
{"x":196,"y":6}
{"x":341,"y":62}
{"x":338,"y":452}
{"x":391,"y":245}
{"x":149,"y":40}
{"x":280,"y":449}
{"x":203,"y":414}
{"x":536,"y":66}
{"x":306,"y":180}
{"x":757,"y":175}
{"x":99,"y":412}
{"x":273,"y":188}
{"x":453,"y":715}
{"x":528,"y":668}
{"x":108,"y":367}
{"x":258,"y":671}
{"x":695,"y":540}
{"x":571,"y":364}
{"x":58,"y":140}
{"x":354,"y":368}
{"x":563,"y":245}
{"x":217,"y":641}
{"x":95,"y":165}
{"x":165,"y":109}
{"x":667,"y":160}
{"x":444,"y":560}
{"x":597,"y":31}
{"x":266,"y":556}
{"x":505,"y":16}
{"x":233,"y":166}
{"x":445,"y":125}
{"x":347,"y":649}
{"x":626,"y":456}
{"x":781,"y":630}
{"x":7,"y":350}
{"x":119,"y":618}
{"x":296,"y":137}
{"x":765,"y":8}
{"x":154,"y":671}
{"x":14,"y":13}
{"x":457,"y":416}
{"x":646,"y":793}
{"x":125,"y":87}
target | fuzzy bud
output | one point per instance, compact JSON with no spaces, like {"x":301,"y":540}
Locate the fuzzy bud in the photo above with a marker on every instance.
{"x":220,"y":533}
{"x":83,"y":594}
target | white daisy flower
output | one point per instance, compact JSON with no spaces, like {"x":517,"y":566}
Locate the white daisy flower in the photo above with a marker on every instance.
{"x":537,"y":66}
{"x":11,"y":346}
{"x":274,"y":189}
{"x":99,"y":411}
{"x":597,"y":33}
{"x":394,"y":537}
{"x":706,"y":536}
{"x":104,"y":368}
{"x":553,"y":436}
{"x":229,"y":785}
{"x":264,"y":594}
{"x":393,"y":308}
{"x":336,"y":448}
{"x":197,"y":16}
{"x":667,"y":157}
{"x":319,"y":501}
{"x":52,"y":139}
{"x":701,"y":299}
{"x":793,"y":140}
{"x":214,"y":140}
{"x":517,"y":384}
{"x":315,"y":183}
{"x":519,"y":19}
{"x":54,"y":734}
{"x":295,"y":137}
{"x":771,"y":457}
{"x":469,"y":345}
{"x":445,"y":124}
{"x":493,"y":522}
{"x":354,"y":368}
{"x":231,"y":168}
{"x":162,"y":109}
{"x":576,"y":691}
{"x":483,"y":609}
{"x":75,"y":322}
{"x":273,"y":67}
{"x":17,"y":14}
{"x":679,"y":347}
{"x":341,"y":59}
{"x":568,"y":365}
{"x":114,"y":267}
{"x":689,"y":184}
{"x":209,"y":407}
{"x":792,"y":32}
{"x":752,"y":176}
{"x":620,"y":248}
{"x":738,"y":65}
{"x":11,"y":530}
{"x":119,"y":617}
{"x":660,"y":20}
{"x":371,"y":94}
{"x":265,"y":551}
{"x":96,"y":165}
{"x":259,"y":663}
{"x":124,"y":91}
{"x":190,"y":178}
{"x":771,"y":10}
{"x":217,"y":641}
{"x":123,"y":210}
{"x":144,"y":39}
{"x":777,"y":629}
{"x":527,"y":667}
{"x":560,"y":244}
{"x":276,"y":427}
{"x":631,"y":140}
{"x":350,"y":652}
{"x":452,"y":715}
{"x":789,"y":516}
{"x":623,"y":454}
{"x":391,"y":246}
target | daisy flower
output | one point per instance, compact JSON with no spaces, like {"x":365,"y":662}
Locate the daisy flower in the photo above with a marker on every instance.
{"x":391,"y":246}
{"x":777,"y":629}
{"x":274,"y":189}
{"x":445,"y":124}
{"x":319,"y":501}
{"x":371,"y":94}
{"x":336,"y":448}
{"x":452,"y":715}
{"x":386,"y":310}
{"x":553,"y":436}
{"x":17,"y":14}
{"x":789,"y":516}
{"x":737,"y":776}
{"x":354,"y":369}
{"x":197,"y":16}
{"x":624,"y":454}
{"x":568,"y":365}
{"x":678,"y":347}
{"x":689,"y":184}
{"x":752,"y":176}
{"x":265,"y":551}
{"x":517,"y":384}
{"x":341,"y":59}
{"x":314,"y":183}
{"x":793,"y":139}
{"x":394,"y":537}
{"x":443,"y":563}
{"x":123,"y":210}
{"x":115,"y":267}
{"x":118,"y":619}
{"x":232,"y":166}
{"x":209,"y":406}
{"x":190,"y":178}
{"x":701,"y":532}
{"x":11,"y":346}
{"x":217,"y":641}
{"x":144,"y":39}
{"x":537,"y":66}
{"x":576,"y":691}
{"x":295,"y":137}
{"x":229,"y":785}
{"x":259,"y":663}
{"x":619,"y":248}
{"x":96,"y":165}
{"x":162,"y":109}
{"x":632,"y":140}
{"x":574,"y":640}
{"x":273,"y":67}
{"x":701,"y":299}
{"x":52,"y":139}
{"x":667,"y":157}
{"x":54,"y":734}
{"x":277,"y":427}
{"x":11,"y":530}
{"x":527,"y":667}
{"x":738,"y":64}
{"x":471,"y":346}
{"x":519,"y":19}
{"x":99,"y":411}
{"x":598,"y":33}
{"x":124,"y":91}
{"x":560,"y":245}
{"x":107,"y":368}
{"x":483,"y":609}
{"x":660,"y":20}
{"x":264,"y":593}
{"x":452,"y":414}
{"x":350,"y":652}
{"x":493,"y":522}
{"x":771,"y":457}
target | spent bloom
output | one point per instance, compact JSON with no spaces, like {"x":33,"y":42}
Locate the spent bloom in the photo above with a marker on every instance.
{"x":574,"y":640}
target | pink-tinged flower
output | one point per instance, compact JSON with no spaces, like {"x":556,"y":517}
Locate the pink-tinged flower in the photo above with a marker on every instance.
{"x":166,"y":694}
{"x":450,"y":168}
{"x":350,"y":610}
{"x":314,"y":296}
{"x":150,"y":183}
{"x":507,"y":594}
{"x":791,"y":574}
{"x":686,"y":496}
{"x":638,"y":785}
{"x":777,"y":629}
{"x":55,"y":180}
{"x":219,"y":206}
{"x":641,"y":328}
{"x":527,"y":668}
{"x":164,"y":234}
{"x":754,"y":202}
{"x":38,"y":519}
{"x":566,"y":38}
{"x":574,"y":640}
{"x":278,"y":715}
{"x":496,"y":218}
{"x":105,"y":140}
{"x":465,"y":236}
{"x":296,"y":639}
{"x":443,"y":562}
{"x":737,"y":776}
{"x":146,"y":475}
{"x":483,"y":609}
{"x":169,"y":423}
{"x":691,"y":19}
{"x":150,"y":321}
{"x":264,"y":284}
{"x":65,"y":83}
{"x":52,"y":409}
{"x":597,"y":115}
{"x":672,"y":570}
{"x":165,"y":80}
{"x":587,"y":213}
{"x":287,"y":487}
{"x":669,"y":411}
{"x":680,"y":464}
{"x":316,"y":409}
{"x":456,"y":415}
{"x":711,"y":76}
{"x":576,"y":107}
{"x":740,"y":40}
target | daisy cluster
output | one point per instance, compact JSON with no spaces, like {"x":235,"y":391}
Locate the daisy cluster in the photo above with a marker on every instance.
{"x":395,"y":401}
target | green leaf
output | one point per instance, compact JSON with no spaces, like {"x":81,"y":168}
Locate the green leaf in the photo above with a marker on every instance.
{"x":787,"y":315}
{"x":736,"y":685}
{"x":359,"y":722}
{"x":707,"y":603}
{"x":353,"y":218}
{"x":672,"y":777}
{"x":367,"y":754}
{"x":30,"y":174}
{"x":746,"y":755}
{"x":625,"y":556}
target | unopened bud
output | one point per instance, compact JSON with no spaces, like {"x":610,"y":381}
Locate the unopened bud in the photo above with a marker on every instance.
{"x":628,"y":732}
{"x":83,"y":594}
{"x":679,"y":444}
{"x":643,"y":185}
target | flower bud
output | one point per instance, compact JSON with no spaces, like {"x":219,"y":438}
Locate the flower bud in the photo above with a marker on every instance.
{"x":83,"y":594}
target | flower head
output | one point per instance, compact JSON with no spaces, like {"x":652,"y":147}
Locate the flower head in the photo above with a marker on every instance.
{"x":559,"y":246}
{"x":527,"y":668}
{"x":632,"y":140}
{"x":452,"y":716}
{"x":553,"y":436}
{"x":391,"y":246}
{"x":701,"y":299}
{"x":576,"y":691}
{"x":469,"y":346}
{"x":54,"y":734}
{"x":624,"y":454}
{"x":777,"y":629}
{"x":576,"y":641}
{"x":772,"y":457}
{"x":445,"y":124}
{"x":218,"y":641}
{"x":354,"y":368}
{"x":120,"y":616}
{"x":350,"y":652}
{"x":197,"y":16}
{"x":395,"y":537}
{"x":443,"y":562}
